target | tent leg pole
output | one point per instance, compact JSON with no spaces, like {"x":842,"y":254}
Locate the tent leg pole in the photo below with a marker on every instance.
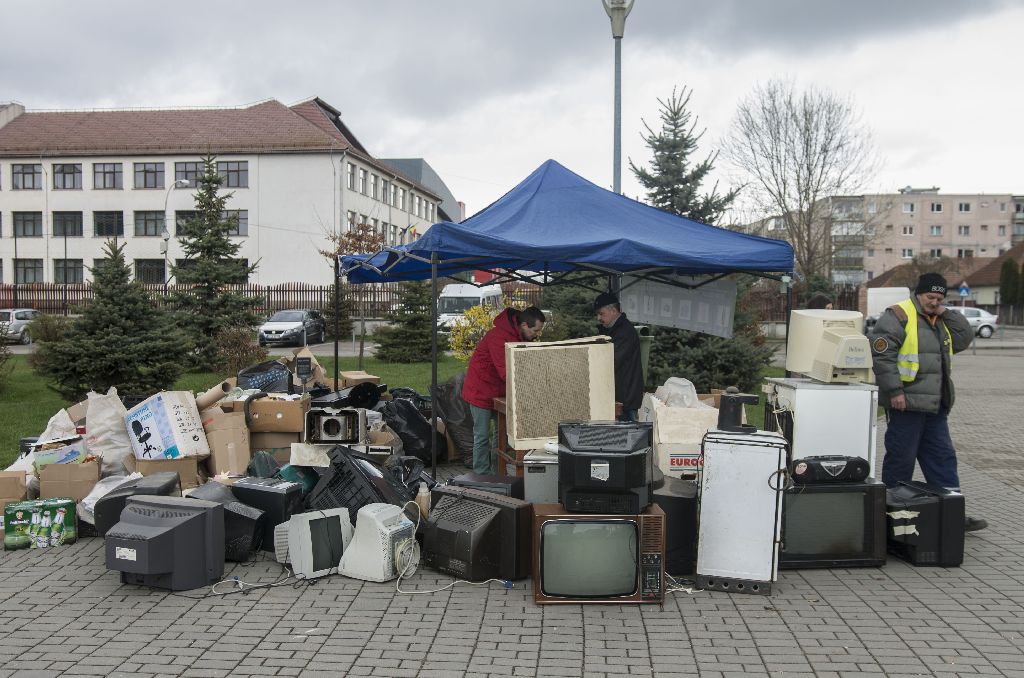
{"x":337,"y":325}
{"x":433,"y":365}
{"x":789,"y":312}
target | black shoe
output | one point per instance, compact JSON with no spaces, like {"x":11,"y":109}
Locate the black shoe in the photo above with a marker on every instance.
{"x":974,"y":524}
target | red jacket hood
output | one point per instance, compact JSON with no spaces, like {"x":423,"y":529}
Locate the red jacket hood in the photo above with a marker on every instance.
{"x":505,"y":322}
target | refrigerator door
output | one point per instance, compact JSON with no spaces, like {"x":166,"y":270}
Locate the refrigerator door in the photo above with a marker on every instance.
{"x":740,"y":511}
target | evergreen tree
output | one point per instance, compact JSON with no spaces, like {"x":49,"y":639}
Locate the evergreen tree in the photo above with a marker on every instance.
{"x":122,"y":339}
{"x":673,"y":184}
{"x":209,"y":305}
{"x":1009,"y":282}
{"x":673,"y":181}
{"x":408,"y":338}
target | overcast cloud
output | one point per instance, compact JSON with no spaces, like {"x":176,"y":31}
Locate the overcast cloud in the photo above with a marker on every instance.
{"x":486,"y":91}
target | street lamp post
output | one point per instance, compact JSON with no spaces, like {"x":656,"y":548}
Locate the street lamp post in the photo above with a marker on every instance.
{"x":177,"y":183}
{"x":617,"y":11}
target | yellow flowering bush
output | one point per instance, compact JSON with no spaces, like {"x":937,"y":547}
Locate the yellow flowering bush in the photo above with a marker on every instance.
{"x":467,"y":332}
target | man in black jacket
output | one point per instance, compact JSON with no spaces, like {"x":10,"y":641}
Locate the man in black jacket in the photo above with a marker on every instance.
{"x":629,"y":380}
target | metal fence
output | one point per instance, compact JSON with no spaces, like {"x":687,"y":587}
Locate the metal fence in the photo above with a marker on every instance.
{"x":58,"y":299}
{"x":375,"y":300}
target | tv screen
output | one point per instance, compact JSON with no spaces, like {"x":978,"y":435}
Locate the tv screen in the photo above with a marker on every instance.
{"x":841,"y":534}
{"x":589,"y":559}
{"x":327,"y":542}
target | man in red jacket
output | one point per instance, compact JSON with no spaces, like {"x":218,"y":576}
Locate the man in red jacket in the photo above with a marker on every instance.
{"x":485,"y":377}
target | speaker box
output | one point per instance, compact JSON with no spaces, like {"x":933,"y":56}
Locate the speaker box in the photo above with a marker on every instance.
{"x":107,"y":511}
{"x":277,"y":498}
{"x":830,"y":469}
{"x":678,"y":499}
{"x":244,"y":525}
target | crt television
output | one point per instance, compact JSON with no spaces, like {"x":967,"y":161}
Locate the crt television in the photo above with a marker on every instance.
{"x":478,"y":535}
{"x":829,"y":346}
{"x":547,"y":383}
{"x":595,"y":558}
{"x":313,"y":542}
{"x":833,"y":525}
{"x":174,"y":543}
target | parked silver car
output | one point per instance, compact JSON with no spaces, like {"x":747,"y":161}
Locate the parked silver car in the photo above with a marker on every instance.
{"x":14,"y":323}
{"x":297,"y":326}
{"x":984,"y":323}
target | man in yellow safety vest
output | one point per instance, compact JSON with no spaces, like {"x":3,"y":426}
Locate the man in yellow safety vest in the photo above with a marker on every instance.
{"x":912,"y":346}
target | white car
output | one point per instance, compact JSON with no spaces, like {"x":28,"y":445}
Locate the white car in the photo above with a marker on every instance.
{"x":14,"y":324}
{"x":983,"y":322}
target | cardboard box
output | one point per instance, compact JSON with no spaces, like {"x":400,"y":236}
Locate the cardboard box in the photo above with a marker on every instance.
{"x":70,"y":450}
{"x":41,"y":523}
{"x":168,"y":426}
{"x":78,"y":411}
{"x":12,"y":489}
{"x":272,"y":441}
{"x":269,"y":415}
{"x":678,"y":432}
{"x":353,"y":377}
{"x":68,"y":480}
{"x":228,"y":438}
{"x":191,"y":470}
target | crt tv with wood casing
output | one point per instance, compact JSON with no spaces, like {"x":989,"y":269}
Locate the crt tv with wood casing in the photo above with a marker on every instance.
{"x":551,"y":382}
{"x":598,"y":558}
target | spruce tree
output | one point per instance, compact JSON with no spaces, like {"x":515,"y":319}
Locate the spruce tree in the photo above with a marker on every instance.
{"x":408,"y":338}
{"x":673,"y":180}
{"x":209,"y":305}
{"x":121,"y":339}
{"x":673,"y":183}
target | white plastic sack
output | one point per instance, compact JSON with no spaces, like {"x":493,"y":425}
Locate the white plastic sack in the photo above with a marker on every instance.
{"x":106,"y":433}
{"x":678,"y":392}
{"x":59,"y":426}
{"x":103,"y":487}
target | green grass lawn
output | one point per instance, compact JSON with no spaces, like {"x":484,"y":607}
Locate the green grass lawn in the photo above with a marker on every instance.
{"x":26,"y":404}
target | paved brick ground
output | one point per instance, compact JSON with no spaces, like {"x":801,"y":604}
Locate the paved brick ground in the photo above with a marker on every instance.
{"x":63,"y":614}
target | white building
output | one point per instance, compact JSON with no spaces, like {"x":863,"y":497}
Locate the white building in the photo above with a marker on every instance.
{"x":71,"y":180}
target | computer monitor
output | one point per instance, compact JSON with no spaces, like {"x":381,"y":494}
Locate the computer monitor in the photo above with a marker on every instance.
{"x":594,"y":558}
{"x":605,"y":466}
{"x":380,"y":530}
{"x":478,"y":535}
{"x":313,"y":542}
{"x":174,"y":543}
{"x":829,"y":346}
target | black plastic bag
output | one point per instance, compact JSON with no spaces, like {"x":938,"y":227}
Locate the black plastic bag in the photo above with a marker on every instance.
{"x":270,"y":376}
{"x":262,"y":465}
{"x":414,"y":430}
{"x":458,"y":420}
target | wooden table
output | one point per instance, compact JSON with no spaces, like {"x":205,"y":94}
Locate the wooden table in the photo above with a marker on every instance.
{"x":507,"y":455}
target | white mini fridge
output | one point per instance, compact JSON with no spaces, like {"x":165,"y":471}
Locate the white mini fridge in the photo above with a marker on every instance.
{"x":822,"y":419}
{"x":740,"y":513}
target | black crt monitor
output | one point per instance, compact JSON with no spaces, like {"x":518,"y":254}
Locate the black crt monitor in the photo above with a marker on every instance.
{"x":833,"y":525}
{"x":174,"y":543}
{"x":107,"y":511}
{"x":478,"y":535}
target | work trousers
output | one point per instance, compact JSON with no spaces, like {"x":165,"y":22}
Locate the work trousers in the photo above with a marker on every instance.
{"x":485,"y":457}
{"x":922,"y":437}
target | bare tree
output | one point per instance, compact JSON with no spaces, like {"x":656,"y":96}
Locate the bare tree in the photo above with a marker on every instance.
{"x":357,"y":239}
{"x":797,"y":149}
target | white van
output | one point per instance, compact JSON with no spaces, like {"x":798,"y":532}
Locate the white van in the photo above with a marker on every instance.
{"x":456,"y":298}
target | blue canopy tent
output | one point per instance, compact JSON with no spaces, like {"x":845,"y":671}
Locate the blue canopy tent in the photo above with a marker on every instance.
{"x":556,"y":222}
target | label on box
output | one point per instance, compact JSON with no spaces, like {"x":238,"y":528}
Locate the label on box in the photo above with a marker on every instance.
{"x":599,"y":470}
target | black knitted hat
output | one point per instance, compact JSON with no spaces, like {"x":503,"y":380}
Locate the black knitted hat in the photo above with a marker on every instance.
{"x":931,"y":282}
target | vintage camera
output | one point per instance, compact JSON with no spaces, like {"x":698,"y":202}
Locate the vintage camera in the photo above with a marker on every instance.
{"x":336,"y":425}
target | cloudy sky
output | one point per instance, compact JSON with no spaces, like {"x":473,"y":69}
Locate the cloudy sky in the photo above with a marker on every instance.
{"x":487,"y":90}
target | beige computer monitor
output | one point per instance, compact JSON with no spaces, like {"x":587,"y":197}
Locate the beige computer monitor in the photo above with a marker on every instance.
{"x":829,"y":346}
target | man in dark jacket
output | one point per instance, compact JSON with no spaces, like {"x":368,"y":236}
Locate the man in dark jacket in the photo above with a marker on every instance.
{"x":629,"y":376}
{"x":912,"y":346}
{"x":485,"y":377}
